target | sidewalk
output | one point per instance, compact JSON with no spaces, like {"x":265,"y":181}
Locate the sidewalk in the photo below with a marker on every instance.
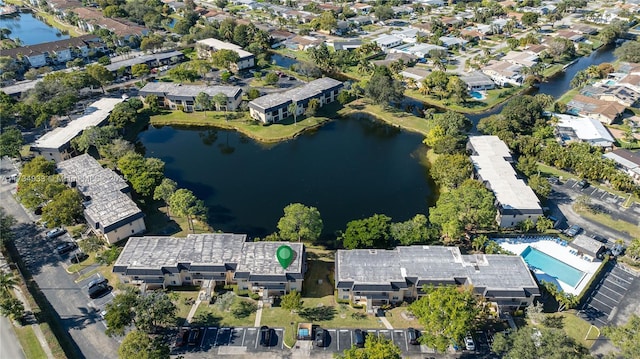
{"x":259,"y":314}
{"x":35,"y":326}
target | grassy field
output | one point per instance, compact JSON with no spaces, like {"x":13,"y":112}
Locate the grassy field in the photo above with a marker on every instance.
{"x":399,"y":119}
{"x":632,"y":229}
{"x":493,"y":98}
{"x":568,"y":96}
{"x":51,"y":20}
{"x":396,"y":319}
{"x":29,"y":342}
{"x":577,"y":328}
{"x":75,"y":268}
{"x":281,"y":131}
{"x":552,"y":70}
{"x":180,"y":297}
{"x":208,"y":314}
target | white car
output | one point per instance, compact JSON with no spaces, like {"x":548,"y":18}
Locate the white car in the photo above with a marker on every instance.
{"x":469,"y":343}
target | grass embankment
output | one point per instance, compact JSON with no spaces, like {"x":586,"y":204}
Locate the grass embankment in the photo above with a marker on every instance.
{"x":630,"y":228}
{"x":577,"y":328}
{"x":29,"y":342}
{"x":552,"y":70}
{"x":281,"y":131}
{"x":396,"y":118}
{"x":75,"y":268}
{"x":493,"y":98}
{"x":568,"y":96}
{"x":52,"y":21}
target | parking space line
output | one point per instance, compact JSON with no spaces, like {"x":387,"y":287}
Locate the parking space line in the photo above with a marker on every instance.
{"x":620,"y":278}
{"x":244,"y":334}
{"x":629,"y":276}
{"x":604,"y":295}
{"x":612,"y":291}
{"x":618,"y":285}
{"x":601,"y":302}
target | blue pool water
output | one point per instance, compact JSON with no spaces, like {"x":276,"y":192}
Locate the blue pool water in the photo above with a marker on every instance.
{"x":551,"y":267}
{"x":611,"y":82}
{"x":476,"y":95}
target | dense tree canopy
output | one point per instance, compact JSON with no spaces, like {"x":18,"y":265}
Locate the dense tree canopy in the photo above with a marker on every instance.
{"x":65,"y":208}
{"x":372,"y":232}
{"x":138,"y":345}
{"x":629,"y":51}
{"x":125,"y":113}
{"x":450,"y":170}
{"x":144,"y":174}
{"x":447,"y":313}
{"x":300,"y":223}
{"x":375,"y":347}
{"x":383,"y":88}
{"x":626,"y":337}
{"x":534,"y":343}
{"x":414,"y":231}
{"x":11,"y":142}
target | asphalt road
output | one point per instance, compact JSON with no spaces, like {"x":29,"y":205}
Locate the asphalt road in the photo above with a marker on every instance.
{"x":69,"y":300}
{"x":9,"y":345}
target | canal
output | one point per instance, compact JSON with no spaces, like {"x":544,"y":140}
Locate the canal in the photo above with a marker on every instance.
{"x":30,"y":30}
{"x":348,"y":169}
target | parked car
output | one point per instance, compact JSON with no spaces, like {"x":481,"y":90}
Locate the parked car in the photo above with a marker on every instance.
{"x":66,"y":247}
{"x":194,"y":336}
{"x":98,"y":291}
{"x":573,"y":230}
{"x":358,"y":338}
{"x":321,"y":337}
{"x":95,"y":282}
{"x":600,"y":239}
{"x":617,"y":250}
{"x":469,"y":343}
{"x":181,"y":338}
{"x":412,"y":336}
{"x":583,"y":183}
{"x":56,"y":232}
{"x":78,"y":257}
{"x":265,"y":336}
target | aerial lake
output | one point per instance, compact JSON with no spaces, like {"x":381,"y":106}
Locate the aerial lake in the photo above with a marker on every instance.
{"x":348,"y":169}
{"x":30,"y":30}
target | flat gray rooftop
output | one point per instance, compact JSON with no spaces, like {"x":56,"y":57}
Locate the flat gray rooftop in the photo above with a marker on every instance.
{"x":208,"y":249}
{"x":142,"y":59}
{"x":301,"y":93}
{"x":179,"y":90}
{"x":432,"y":263}
{"x":20,"y":87}
{"x":94,"y":115}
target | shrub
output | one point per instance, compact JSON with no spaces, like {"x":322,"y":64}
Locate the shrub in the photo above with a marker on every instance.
{"x":254,"y":296}
{"x":224,"y":302}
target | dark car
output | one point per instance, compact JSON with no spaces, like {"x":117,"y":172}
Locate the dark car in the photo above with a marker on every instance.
{"x":98,"y":291}
{"x":56,"y":232}
{"x":78,"y":257}
{"x":95,"y":282}
{"x":600,"y":239}
{"x":66,"y":247}
{"x":358,"y":338}
{"x":265,"y":336}
{"x":583,"y":184}
{"x":573,"y":230}
{"x":321,"y":337}
{"x":412,"y":336}
{"x":181,"y":338}
{"x":194,"y":336}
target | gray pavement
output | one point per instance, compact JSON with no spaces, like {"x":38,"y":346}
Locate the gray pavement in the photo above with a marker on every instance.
{"x":9,"y":345}
{"x":73,"y":307}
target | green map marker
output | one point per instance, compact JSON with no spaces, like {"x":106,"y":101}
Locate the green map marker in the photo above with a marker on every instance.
{"x":284,"y":254}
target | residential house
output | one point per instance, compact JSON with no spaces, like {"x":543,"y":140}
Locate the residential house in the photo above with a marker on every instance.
{"x":493,"y":166}
{"x":55,"y":145}
{"x":620,"y":94}
{"x":477,"y":81}
{"x":604,"y":111}
{"x":584,"y":29}
{"x":90,"y":20}
{"x":208,"y":46}
{"x":208,"y":260}
{"x":17,"y":89}
{"x":626,"y":161}
{"x":419,"y":50}
{"x":583,"y":129}
{"x":171,"y":95}
{"x":274,"y":107}
{"x":452,"y":42}
{"x":574,"y":36}
{"x":345,"y":45}
{"x":524,"y":59}
{"x":361,"y":8}
{"x":108,"y":208}
{"x":415,"y":73}
{"x":361,"y":20}
{"x":587,"y":248}
{"x":408,"y":35}
{"x":375,"y":277}
{"x":396,"y":56}
{"x":631,"y":81}
{"x":503,"y":73}
{"x":388,"y":41}
{"x":303,"y":43}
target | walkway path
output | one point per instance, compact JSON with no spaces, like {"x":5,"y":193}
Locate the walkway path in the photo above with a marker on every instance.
{"x":259,"y":314}
{"x":385,"y":322}
{"x":34,"y":324}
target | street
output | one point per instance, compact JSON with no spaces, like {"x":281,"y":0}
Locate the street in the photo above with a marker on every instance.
{"x":70,"y":302}
{"x":9,"y":345}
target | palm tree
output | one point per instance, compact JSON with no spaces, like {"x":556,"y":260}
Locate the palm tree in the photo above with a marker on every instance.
{"x":7,"y":282}
{"x":364,"y":67}
{"x":293,"y":110}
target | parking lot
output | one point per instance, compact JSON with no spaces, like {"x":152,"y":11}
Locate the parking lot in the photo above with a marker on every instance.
{"x":609,"y":203}
{"x":340,"y":339}
{"x":229,"y":341}
{"x":603,"y":301}
{"x":99,"y":303}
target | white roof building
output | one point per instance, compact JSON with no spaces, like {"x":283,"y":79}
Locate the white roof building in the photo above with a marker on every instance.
{"x":584,"y":129}
{"x":493,"y":166}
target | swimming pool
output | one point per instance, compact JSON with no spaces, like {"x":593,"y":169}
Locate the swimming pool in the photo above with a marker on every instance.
{"x":611,"y":82}
{"x":476,"y":95}
{"x":551,"y":267}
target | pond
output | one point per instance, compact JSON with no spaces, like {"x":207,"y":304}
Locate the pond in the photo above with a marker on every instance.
{"x":348,"y":169}
{"x":283,"y":61}
{"x":31,"y":30}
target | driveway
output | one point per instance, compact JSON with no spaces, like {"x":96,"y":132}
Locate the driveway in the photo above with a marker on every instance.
{"x":70,"y":302}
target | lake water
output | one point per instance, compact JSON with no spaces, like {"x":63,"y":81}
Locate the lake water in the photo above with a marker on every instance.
{"x":30,"y":30}
{"x":348,"y":169}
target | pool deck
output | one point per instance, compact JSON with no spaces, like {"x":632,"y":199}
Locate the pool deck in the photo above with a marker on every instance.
{"x":557,"y":251}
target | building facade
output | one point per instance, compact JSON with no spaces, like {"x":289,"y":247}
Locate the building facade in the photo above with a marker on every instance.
{"x":206,"y":47}
{"x":171,"y":95}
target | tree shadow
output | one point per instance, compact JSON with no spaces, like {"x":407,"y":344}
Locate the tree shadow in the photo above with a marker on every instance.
{"x":206,"y":319}
{"x":317,"y":314}
{"x":553,"y":321}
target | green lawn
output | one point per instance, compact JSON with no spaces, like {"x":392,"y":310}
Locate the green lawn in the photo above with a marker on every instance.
{"x":74,"y":268}
{"x":180,"y":297}
{"x":577,"y":328}
{"x":568,"y":96}
{"x":397,"y":118}
{"x":29,"y":342}
{"x":630,"y":228}
{"x":493,"y":98}
{"x":552,"y":70}
{"x":280,"y":131}
{"x":51,"y":20}
{"x":208,"y":314}
{"x":397,"y":320}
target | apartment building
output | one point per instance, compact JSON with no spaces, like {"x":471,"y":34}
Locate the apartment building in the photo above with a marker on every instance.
{"x":171,"y":95}
{"x":206,"y":47}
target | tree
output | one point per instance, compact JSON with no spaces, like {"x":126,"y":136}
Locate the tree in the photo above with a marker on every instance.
{"x":529,"y":18}
{"x":7,"y":283}
{"x":629,"y":51}
{"x":152,"y":102}
{"x":291,"y":300}
{"x":64,"y":209}
{"x":94,"y":136}
{"x":122,"y":114}
{"x":100,"y":74}
{"x":457,"y":89}
{"x":154,"y":310}
{"x":300,"y":223}
{"x":626,"y":337}
{"x":138,"y":345}
{"x":203,"y":101}
{"x":383,"y":88}
{"x":466,"y":208}
{"x":322,"y":57}
{"x":540,"y":186}
{"x":375,"y":347}
{"x":185,"y":203}
{"x":221,"y":3}
{"x":224,"y":58}
{"x":560,"y":47}
{"x":450,"y":170}
{"x":633,"y":250}
{"x":413,"y":231}
{"x":164,"y":191}
{"x":528,"y":165}
{"x":383,"y":12}
{"x":11,"y":142}
{"x":479,"y":242}
{"x":11,"y":307}
{"x":326,"y":21}
{"x":6,"y":234}
{"x":544,"y":224}
{"x":372,"y":232}
{"x":143,"y":173}
{"x":447,"y":314}
{"x":182,"y":74}
{"x":253,"y":93}
{"x":140,"y":70}
{"x":532,"y":343}
{"x":116,"y":149}
{"x":271,"y":79}
{"x":292,"y":109}
{"x":312,"y":107}
{"x":120,"y":312}
{"x":220,"y":100}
